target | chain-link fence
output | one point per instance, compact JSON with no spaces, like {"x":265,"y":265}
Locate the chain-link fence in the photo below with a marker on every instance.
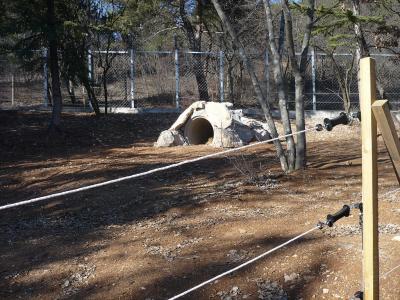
{"x":110,"y":76}
{"x":20,"y":87}
{"x":388,"y":76}
{"x":331,"y":81}
{"x":200,"y":74}
{"x":169,"y":79}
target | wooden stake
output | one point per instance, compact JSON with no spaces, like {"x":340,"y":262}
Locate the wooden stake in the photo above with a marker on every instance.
{"x":382,"y":115}
{"x":369,"y":180}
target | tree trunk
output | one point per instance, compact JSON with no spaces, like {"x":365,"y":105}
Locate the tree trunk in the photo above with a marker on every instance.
{"x":54,"y":67}
{"x":84,"y":78}
{"x":299,"y":74}
{"x":255,"y":83}
{"x":345,"y":95}
{"x":71,"y":90}
{"x":49,"y":92}
{"x":342,"y":83}
{"x":230,"y":82}
{"x":301,"y":145}
{"x":88,"y":83}
{"x":201,"y":80}
{"x":239,"y":82}
{"x":194,"y":38}
{"x":92,"y":97}
{"x":280,"y":86}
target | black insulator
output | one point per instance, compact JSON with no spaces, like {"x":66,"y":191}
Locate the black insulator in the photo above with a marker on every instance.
{"x":341,"y":119}
{"x":358,"y":296}
{"x":344,"y":212}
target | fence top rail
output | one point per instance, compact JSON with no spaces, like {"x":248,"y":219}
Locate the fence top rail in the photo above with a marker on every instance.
{"x":126,"y":52}
{"x":258,"y":53}
{"x":153,"y":52}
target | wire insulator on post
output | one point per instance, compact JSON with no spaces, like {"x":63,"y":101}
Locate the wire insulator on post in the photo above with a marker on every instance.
{"x":342,"y":119}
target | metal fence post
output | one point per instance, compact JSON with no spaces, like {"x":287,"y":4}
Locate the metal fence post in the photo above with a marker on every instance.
{"x":177,"y":78}
{"x":45,"y":79}
{"x":90,"y":73}
{"x":133,"y":74}
{"x":221,"y":76}
{"x":313,"y":75}
{"x":12,"y":89}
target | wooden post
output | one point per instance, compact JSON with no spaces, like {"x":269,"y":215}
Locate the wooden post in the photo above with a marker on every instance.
{"x":369,"y":180}
{"x":382,"y":115}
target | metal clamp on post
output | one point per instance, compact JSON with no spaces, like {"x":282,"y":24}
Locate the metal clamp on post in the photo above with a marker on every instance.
{"x":356,"y":115}
{"x":344,"y":212}
{"x":342,"y":119}
{"x":360,"y":217}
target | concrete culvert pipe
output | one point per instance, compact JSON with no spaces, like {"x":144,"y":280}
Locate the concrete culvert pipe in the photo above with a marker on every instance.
{"x":213,"y":123}
{"x":199,"y":131}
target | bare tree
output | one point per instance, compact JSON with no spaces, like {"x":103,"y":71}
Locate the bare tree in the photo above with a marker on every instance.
{"x":280,"y":84}
{"x":343,"y":74}
{"x":194,"y":35}
{"x":362,"y":49}
{"x":299,"y":69}
{"x":105,"y":39}
{"x":256,"y":85}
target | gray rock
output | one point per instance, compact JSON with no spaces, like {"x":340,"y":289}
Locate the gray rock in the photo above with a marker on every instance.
{"x":66,"y":283}
{"x":268,"y":290}
{"x":291,"y":277}
{"x":169,"y":138}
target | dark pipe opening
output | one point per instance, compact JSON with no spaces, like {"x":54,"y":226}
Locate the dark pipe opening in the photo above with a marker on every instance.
{"x":199,"y":131}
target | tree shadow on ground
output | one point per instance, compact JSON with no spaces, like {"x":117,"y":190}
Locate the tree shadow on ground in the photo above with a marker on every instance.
{"x":78,"y":222}
{"x":71,"y":228}
{"x":192,"y":274}
{"x":23,"y":135}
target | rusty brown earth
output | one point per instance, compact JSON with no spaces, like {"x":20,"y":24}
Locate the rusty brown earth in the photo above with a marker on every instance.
{"x":155,"y":237}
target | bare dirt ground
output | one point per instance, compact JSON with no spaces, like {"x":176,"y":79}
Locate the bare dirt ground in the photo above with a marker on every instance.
{"x":155,"y":237}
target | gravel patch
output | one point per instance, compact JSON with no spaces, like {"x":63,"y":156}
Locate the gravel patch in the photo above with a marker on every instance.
{"x":237,"y":255}
{"x":270,"y":290}
{"x":237,"y":212}
{"x":170,"y":253}
{"x":77,"y":280}
{"x":392,"y":196}
{"x":233,"y":294}
{"x":346,"y":230}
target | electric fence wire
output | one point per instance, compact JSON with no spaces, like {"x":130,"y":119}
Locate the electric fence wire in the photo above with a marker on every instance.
{"x":244,"y":264}
{"x":152,"y":171}
{"x":384,"y":276}
{"x":175,"y":165}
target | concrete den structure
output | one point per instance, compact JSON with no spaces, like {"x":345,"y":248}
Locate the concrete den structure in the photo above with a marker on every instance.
{"x":213,"y":123}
